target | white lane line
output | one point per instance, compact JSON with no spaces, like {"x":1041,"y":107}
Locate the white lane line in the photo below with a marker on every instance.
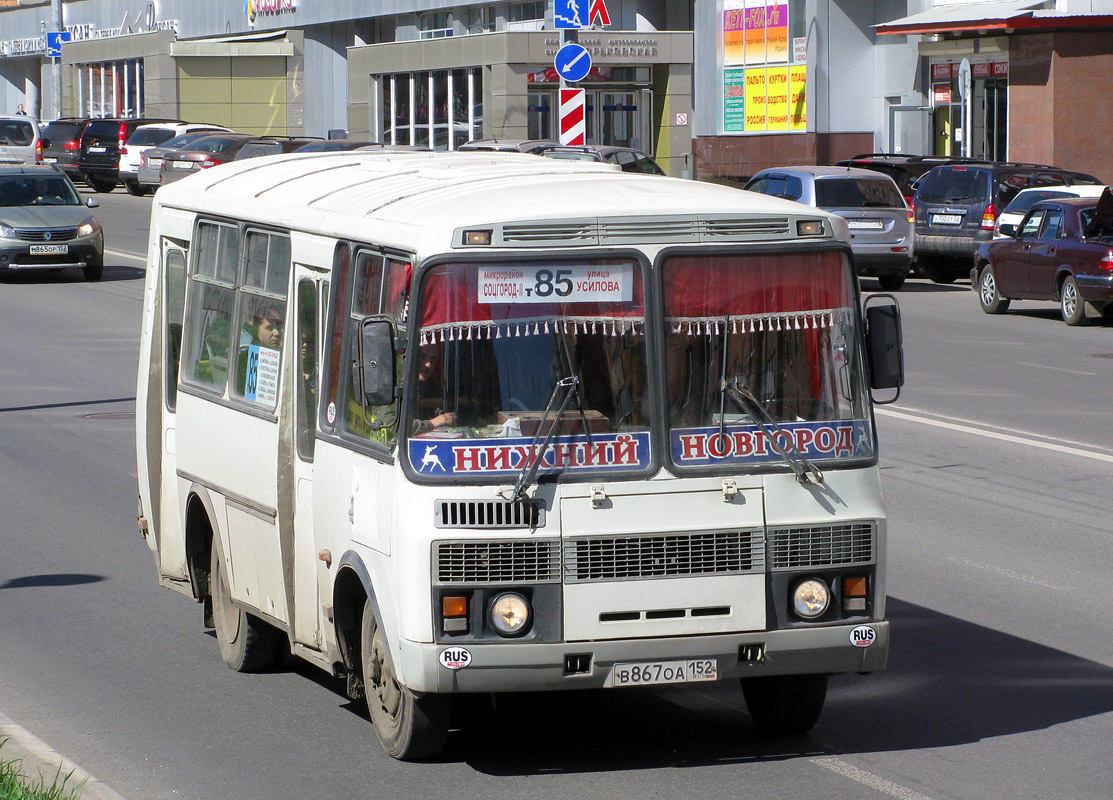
{"x":1056,"y":369}
{"x":1004,"y":437}
{"x":1008,"y":573}
{"x":869,"y":779}
{"x":122,"y":254}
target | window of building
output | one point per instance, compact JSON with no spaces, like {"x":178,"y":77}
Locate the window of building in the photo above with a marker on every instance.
{"x":434,"y":25}
{"x":441,"y":109}
{"x":111,"y":89}
{"x":481,"y":19}
{"x":522,"y":12}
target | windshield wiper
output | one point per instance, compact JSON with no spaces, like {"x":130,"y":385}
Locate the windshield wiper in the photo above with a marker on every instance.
{"x":746,"y":400}
{"x":571,"y":385}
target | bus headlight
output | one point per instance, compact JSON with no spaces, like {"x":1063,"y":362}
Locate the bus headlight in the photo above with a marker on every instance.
{"x":811,"y":598}
{"x":510,"y":614}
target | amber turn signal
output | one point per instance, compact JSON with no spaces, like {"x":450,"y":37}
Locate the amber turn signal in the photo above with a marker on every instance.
{"x":854,"y":587}
{"x":454,"y":606}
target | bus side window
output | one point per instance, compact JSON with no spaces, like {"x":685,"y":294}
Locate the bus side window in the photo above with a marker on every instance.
{"x":175,"y":309}
{"x":211,"y":296}
{"x":261,"y":316}
{"x":341,"y":263}
{"x":307,"y":369}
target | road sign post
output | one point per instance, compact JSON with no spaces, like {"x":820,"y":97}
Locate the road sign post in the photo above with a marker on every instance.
{"x":573,"y":128}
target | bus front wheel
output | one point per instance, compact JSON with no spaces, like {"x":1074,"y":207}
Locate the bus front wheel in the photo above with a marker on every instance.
{"x":246,"y":643}
{"x":409,"y":727}
{"x":785,"y":704}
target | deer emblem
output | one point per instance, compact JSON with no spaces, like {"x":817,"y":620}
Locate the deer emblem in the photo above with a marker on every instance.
{"x":431,"y":459}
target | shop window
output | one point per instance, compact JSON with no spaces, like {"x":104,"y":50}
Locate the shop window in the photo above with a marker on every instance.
{"x":441,"y":109}
{"x":111,"y":89}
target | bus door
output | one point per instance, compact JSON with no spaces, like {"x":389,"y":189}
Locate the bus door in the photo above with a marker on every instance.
{"x":164,"y":494}
{"x":310,"y":572}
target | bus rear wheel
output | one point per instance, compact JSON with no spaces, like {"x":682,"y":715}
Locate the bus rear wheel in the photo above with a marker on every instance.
{"x":785,"y":704}
{"x":409,"y":727}
{"x":246,"y":643}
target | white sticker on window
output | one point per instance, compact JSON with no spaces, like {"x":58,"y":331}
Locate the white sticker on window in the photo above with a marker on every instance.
{"x":557,"y":284}
{"x":262,"y":374}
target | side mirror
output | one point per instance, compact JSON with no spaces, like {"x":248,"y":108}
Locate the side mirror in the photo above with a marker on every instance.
{"x":1007,"y":229}
{"x":376,"y":361}
{"x":884,"y":345}
{"x":92,"y":202}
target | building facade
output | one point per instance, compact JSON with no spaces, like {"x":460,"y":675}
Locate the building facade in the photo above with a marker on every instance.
{"x":714,"y":89}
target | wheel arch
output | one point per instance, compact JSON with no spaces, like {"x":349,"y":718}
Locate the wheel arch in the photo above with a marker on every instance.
{"x":351,"y":589}
{"x":200,"y":535}
{"x":1061,"y":275}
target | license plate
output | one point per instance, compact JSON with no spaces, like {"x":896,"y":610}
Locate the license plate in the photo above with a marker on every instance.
{"x":98,"y":149}
{"x":181,"y":164}
{"x":154,"y":162}
{"x":865,"y":224}
{"x":49,"y":249}
{"x":651,"y":673}
{"x":50,"y":161}
{"x":946,"y":219}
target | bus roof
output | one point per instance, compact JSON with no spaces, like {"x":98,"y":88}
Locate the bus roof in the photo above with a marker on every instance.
{"x":423,"y":200}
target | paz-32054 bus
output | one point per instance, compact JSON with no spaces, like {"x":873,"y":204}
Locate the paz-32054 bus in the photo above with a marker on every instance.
{"x":469,"y":423}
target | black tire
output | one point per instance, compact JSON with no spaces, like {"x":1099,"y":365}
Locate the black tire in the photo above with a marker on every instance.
{"x":989,"y":296}
{"x":246,"y":643}
{"x":892,"y":281}
{"x":1071,"y":304}
{"x":938,"y":269}
{"x":94,"y":271}
{"x":409,"y":727}
{"x":785,"y":704}
{"x":101,"y":184}
{"x":134,"y":189}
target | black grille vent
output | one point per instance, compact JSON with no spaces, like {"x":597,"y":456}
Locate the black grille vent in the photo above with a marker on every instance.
{"x":666,"y":556}
{"x":39,"y":235}
{"x":744,"y":228}
{"x":821,"y":546}
{"x":489,"y":514}
{"x":483,"y":562}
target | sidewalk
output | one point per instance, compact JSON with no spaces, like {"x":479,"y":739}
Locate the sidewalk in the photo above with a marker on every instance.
{"x":40,"y":760}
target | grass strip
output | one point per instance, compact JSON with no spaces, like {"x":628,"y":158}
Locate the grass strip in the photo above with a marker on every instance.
{"x":16,"y":786}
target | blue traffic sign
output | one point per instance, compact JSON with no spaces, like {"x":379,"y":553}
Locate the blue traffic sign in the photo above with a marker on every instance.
{"x":573,"y":62}
{"x":54,"y":41}
{"x":571,"y":14}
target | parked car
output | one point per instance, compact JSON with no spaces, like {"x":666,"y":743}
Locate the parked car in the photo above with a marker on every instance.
{"x":19,"y":141}
{"x":271,"y":146}
{"x":509,"y":145}
{"x":61,"y":142}
{"x":45,"y":224}
{"x":1063,"y":251}
{"x":1014,"y":212}
{"x":150,"y":160}
{"x":101,"y":143}
{"x":881,"y":227}
{"x":956,"y":208}
{"x":904,"y":169}
{"x":201,"y":153}
{"x":628,"y":159}
{"x":147,"y":136}
{"x":333,"y":145}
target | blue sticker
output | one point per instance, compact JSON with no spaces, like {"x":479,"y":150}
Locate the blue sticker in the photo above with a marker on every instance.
{"x":611,"y":452}
{"x":750,"y":444}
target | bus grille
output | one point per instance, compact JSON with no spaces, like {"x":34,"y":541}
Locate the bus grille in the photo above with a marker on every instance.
{"x":482,"y":562}
{"x":672,"y":555}
{"x":605,"y":230}
{"x":821,"y":546}
{"x":488,"y":514}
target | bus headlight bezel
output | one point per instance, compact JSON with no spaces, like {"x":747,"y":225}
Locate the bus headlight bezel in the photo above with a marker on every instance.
{"x":811,"y":598}
{"x":510,"y":614}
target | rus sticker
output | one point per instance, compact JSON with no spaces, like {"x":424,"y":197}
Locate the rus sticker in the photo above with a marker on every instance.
{"x":455,"y":658}
{"x":862,"y":636}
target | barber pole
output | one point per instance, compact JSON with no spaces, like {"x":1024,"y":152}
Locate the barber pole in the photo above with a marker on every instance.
{"x":572,"y":127}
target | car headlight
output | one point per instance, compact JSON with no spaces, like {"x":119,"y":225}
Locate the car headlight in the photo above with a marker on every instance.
{"x":510,"y":614}
{"x":811,"y":598}
{"x":6,"y":231}
{"x":89,"y":226}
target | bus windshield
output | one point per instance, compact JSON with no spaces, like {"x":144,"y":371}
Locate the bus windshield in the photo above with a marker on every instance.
{"x":759,"y":346}
{"x":496,"y":339}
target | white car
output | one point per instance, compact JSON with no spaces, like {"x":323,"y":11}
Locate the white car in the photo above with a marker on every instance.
{"x":1014,"y":212}
{"x":146,"y":137}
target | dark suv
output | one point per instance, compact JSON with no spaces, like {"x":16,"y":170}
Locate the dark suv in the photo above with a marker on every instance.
{"x":101,"y":141}
{"x":62,"y":145}
{"x":956,"y":208}
{"x":905,"y":170}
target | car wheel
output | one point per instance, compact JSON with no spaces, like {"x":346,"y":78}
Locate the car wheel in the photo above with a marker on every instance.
{"x":785,"y":704}
{"x":1071,"y":304}
{"x":93,"y":271}
{"x":101,"y":184}
{"x":990,"y":298}
{"x":135,"y":189}
{"x":246,"y":643}
{"x":892,"y":281}
{"x":409,"y":727}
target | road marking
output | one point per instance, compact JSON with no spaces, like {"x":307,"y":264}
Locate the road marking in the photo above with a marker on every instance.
{"x":1008,"y":573}
{"x":869,"y":779}
{"x":1004,"y":437}
{"x":122,"y":254}
{"x":1056,"y":369}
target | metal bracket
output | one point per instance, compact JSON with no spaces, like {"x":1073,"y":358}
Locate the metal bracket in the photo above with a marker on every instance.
{"x":730,"y":489}
{"x":598,"y":496}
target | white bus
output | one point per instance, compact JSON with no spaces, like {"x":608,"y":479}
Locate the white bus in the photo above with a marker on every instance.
{"x":473,"y":423}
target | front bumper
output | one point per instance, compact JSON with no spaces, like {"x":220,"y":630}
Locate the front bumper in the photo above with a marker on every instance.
{"x":507,"y":667}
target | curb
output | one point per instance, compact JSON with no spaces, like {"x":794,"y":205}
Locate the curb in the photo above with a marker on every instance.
{"x":39,"y":760}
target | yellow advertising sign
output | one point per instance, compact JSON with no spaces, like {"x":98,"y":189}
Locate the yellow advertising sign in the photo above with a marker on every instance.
{"x":756,"y":100}
{"x":778,"y":98}
{"x":798,"y":98}
{"x":734,"y":32}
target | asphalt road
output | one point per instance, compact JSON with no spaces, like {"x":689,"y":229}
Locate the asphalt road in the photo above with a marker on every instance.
{"x":997,"y":468}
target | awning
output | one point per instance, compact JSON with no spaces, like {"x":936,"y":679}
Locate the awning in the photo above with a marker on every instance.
{"x":964,"y":17}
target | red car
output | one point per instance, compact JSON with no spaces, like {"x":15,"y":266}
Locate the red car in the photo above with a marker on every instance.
{"x":1063,"y":251}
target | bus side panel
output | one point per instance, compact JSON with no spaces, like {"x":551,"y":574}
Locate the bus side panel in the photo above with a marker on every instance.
{"x":148,"y":427}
